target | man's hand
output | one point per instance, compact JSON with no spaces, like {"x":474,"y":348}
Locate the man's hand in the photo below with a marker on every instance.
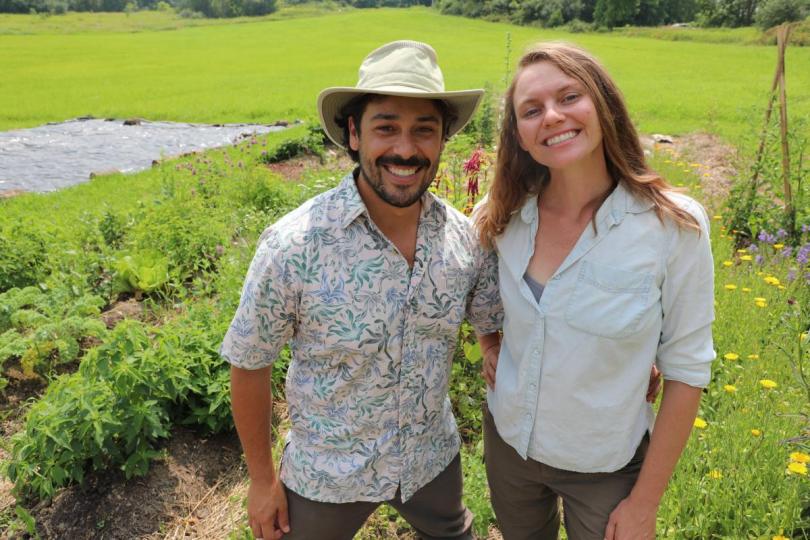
{"x":654,"y":387}
{"x":632,"y":520}
{"x":490,"y":365}
{"x":267,"y":509}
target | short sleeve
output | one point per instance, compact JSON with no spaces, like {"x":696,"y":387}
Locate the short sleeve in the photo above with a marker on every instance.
{"x":484,"y":308}
{"x":686,"y":350}
{"x":266,"y":316}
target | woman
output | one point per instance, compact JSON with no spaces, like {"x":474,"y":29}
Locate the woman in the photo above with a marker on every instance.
{"x":605,"y":271}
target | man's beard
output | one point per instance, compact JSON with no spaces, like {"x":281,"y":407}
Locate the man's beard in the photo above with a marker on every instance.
{"x":399,"y":197}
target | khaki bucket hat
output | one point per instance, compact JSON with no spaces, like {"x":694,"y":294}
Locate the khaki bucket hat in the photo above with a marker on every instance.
{"x":400,"y":68}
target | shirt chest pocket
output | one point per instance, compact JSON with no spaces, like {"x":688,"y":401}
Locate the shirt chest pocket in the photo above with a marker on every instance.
{"x":609,"y":302}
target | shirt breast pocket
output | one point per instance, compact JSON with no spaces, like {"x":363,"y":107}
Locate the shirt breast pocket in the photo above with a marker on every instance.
{"x":609,"y":302}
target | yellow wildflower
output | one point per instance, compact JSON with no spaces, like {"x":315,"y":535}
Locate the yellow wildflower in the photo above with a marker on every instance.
{"x":730,"y":287}
{"x":755,"y":432}
{"x":760,"y":273}
{"x":780,"y":537}
{"x":746,"y":289}
{"x":797,"y":468}
{"x":746,"y":258}
{"x":715,"y":474}
{"x":731,"y":356}
{"x":778,"y":246}
{"x":730,"y":388}
{"x":700,"y":423}
{"x":717,"y":218}
{"x":768,"y":384}
{"x":727,"y":263}
{"x":753,"y":357}
{"x":760,"y":303}
{"x":771,"y":280}
{"x":799,"y":457}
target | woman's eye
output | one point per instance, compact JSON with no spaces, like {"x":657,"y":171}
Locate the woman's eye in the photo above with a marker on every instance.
{"x":528,"y":113}
{"x":570,"y":98}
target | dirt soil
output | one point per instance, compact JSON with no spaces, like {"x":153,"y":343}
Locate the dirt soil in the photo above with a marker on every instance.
{"x":175,"y":492}
{"x":197,"y":490}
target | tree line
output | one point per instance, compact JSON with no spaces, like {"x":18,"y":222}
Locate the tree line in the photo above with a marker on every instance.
{"x":578,"y":14}
{"x":612,"y":13}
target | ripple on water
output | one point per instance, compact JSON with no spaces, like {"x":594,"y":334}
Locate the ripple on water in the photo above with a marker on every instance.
{"x":54,"y":156}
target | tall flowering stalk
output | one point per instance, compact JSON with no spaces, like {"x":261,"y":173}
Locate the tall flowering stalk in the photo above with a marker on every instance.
{"x":475,"y":170}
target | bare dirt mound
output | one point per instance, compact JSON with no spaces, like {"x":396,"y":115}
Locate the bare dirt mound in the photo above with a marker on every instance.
{"x":110,"y":507}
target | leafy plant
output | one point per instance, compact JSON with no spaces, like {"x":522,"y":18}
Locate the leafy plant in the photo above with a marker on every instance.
{"x":143,"y":272}
{"x":44,"y":327}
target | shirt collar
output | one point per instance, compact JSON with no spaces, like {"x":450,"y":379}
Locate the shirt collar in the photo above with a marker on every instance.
{"x":616,"y":206}
{"x":433,"y":210}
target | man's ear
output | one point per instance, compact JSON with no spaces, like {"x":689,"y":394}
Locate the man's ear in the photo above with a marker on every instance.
{"x":354,"y":137}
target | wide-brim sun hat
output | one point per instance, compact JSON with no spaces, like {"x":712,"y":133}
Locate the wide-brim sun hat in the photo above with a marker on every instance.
{"x":400,"y":68}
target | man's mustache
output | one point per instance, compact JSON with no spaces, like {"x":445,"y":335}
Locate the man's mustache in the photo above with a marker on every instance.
{"x":399,"y":161}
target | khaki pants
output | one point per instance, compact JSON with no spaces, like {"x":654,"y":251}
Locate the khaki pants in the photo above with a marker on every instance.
{"x":435,"y":511}
{"x":526,"y":493}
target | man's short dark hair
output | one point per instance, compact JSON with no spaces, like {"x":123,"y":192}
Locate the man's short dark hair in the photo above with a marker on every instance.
{"x":356,"y":107}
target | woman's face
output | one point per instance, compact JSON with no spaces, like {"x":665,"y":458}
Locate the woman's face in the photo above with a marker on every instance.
{"x":557,"y":122}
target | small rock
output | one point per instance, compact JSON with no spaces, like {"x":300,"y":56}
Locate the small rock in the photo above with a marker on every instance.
{"x":280,"y":123}
{"x":663,"y":139}
{"x":133,"y":121}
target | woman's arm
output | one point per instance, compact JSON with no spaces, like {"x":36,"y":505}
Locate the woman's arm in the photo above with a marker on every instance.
{"x":634,"y":517}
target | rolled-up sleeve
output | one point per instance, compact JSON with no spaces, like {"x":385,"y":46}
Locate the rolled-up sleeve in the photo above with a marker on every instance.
{"x":484,"y":308}
{"x":265,"y":318}
{"x":686,"y":350}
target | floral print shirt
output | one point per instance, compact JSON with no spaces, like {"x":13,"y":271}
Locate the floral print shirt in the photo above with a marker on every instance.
{"x":372,"y":341}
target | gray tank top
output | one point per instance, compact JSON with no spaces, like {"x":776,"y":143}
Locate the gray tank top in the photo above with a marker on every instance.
{"x":535,"y":286}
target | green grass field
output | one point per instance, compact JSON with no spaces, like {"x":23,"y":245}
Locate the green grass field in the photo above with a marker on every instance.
{"x":273,"y":69}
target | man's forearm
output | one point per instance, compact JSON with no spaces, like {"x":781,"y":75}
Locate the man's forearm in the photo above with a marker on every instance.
{"x":252,"y":403}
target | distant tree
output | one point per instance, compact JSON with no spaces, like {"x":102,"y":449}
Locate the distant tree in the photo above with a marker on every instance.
{"x":679,"y":10}
{"x":775,"y":12}
{"x":650,"y":13}
{"x":610,"y":13}
{"x":732,"y":13}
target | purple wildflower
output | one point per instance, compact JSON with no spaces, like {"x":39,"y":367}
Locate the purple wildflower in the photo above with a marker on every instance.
{"x":781,"y":233}
{"x":787,"y":251}
{"x":804,"y":254}
{"x":759,"y":259}
{"x":752,"y":248}
{"x":791,"y":275}
{"x":806,"y":228}
{"x":765,"y":236}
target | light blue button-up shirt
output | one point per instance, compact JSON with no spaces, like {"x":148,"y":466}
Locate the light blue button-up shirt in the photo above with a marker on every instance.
{"x":574,"y":367}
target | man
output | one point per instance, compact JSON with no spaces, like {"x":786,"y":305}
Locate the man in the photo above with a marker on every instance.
{"x":369,"y":282}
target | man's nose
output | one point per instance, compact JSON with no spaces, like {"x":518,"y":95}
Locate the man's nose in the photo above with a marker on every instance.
{"x":406,"y":146}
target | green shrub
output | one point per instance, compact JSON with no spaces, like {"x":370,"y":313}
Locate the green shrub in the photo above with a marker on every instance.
{"x":184,"y":230}
{"x":23,"y":256}
{"x":776,"y":12}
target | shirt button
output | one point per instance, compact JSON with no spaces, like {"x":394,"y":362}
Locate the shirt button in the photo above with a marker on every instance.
{"x":532,"y":386}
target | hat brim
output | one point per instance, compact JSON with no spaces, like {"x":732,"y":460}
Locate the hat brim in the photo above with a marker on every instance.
{"x":332,"y":100}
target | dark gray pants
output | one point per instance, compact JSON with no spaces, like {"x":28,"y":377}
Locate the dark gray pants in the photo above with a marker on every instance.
{"x":526,"y":493}
{"x":435,"y":511}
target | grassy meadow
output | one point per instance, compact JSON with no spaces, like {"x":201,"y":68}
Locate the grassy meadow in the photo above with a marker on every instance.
{"x":130,"y":66}
{"x":178,"y":238}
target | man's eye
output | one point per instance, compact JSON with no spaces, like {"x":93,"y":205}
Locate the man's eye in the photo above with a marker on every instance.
{"x":384,"y":129}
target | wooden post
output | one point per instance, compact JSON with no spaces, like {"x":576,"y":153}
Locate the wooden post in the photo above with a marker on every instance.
{"x":782,"y":34}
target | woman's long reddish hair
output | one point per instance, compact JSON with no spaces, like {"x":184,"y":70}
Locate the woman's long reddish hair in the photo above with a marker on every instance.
{"x":518,"y":175}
